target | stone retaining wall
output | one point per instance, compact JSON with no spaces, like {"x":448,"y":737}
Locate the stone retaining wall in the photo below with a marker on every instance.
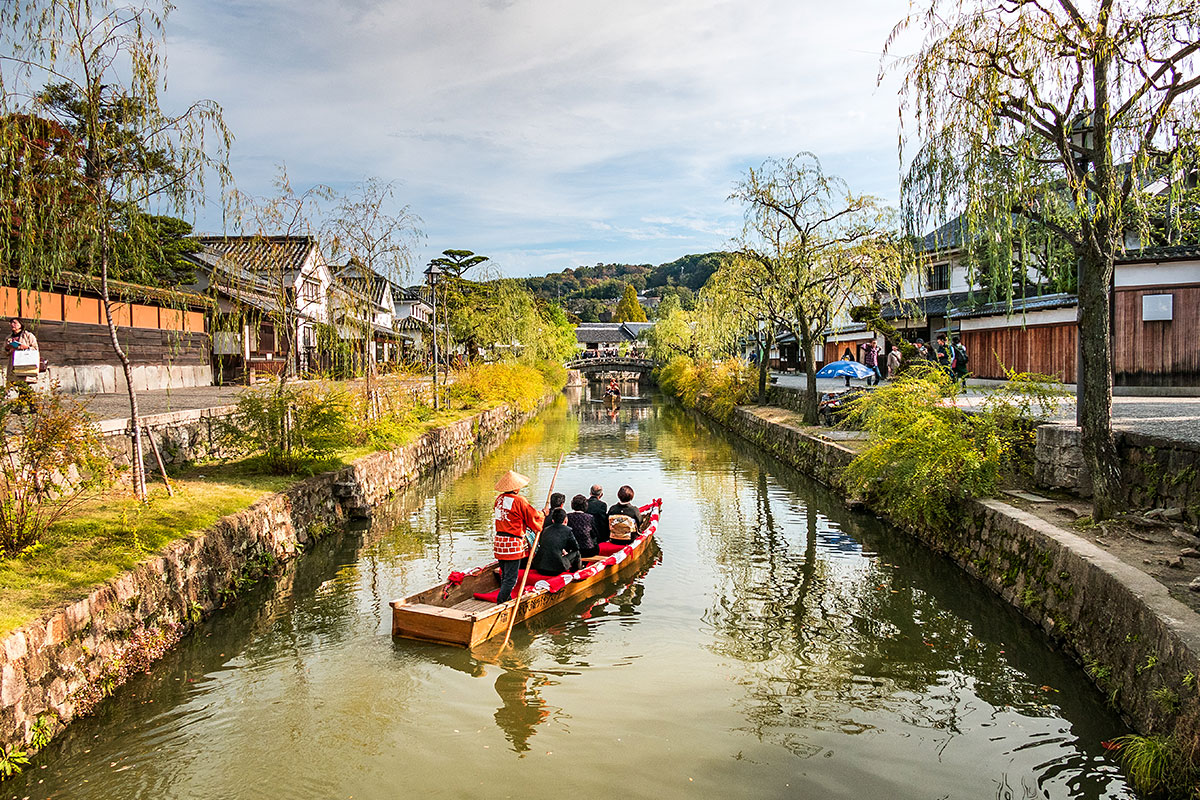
{"x":1155,"y":472}
{"x":63,"y":662}
{"x":1138,"y":644}
{"x":182,"y":436}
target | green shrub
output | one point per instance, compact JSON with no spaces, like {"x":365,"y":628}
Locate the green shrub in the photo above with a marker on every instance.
{"x":925,"y":453}
{"x":727,"y":384}
{"x":12,"y":761}
{"x":292,"y":428}
{"x":1156,"y":765}
{"x":52,"y":461}
{"x":503,"y":382}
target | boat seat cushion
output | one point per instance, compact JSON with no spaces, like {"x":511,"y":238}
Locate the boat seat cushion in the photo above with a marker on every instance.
{"x":611,"y":548}
{"x":494,"y":593}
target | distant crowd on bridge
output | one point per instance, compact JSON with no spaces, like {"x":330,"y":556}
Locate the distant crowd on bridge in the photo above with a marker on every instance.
{"x":613,"y":352}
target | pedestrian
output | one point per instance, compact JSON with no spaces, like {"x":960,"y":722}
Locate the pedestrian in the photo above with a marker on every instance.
{"x":893,"y":362}
{"x":961,"y":359}
{"x":871,"y":360}
{"x":848,"y":355}
{"x":922,"y":350}
{"x":944,"y":354}
{"x":23,"y":360}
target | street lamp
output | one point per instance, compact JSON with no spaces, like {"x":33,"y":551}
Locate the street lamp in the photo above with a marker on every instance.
{"x":433,"y":274}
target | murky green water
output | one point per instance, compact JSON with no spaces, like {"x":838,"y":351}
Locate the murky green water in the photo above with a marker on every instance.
{"x":780,"y":647}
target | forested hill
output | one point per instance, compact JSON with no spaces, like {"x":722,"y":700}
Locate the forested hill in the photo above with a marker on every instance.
{"x":606,"y":282}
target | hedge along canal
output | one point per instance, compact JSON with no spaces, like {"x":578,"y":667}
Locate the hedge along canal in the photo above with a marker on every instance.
{"x":1140,"y":646}
{"x":780,"y":646}
{"x":65,"y":663}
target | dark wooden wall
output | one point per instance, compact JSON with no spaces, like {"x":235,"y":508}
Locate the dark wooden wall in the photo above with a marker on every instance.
{"x":79,"y":344}
{"x":1048,"y":349}
{"x":1157,"y":353}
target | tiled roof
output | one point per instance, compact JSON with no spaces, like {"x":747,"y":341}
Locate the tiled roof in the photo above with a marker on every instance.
{"x":947,"y":237}
{"x":1019,"y":305}
{"x":934,"y":306}
{"x":261,"y":254}
{"x":1179,"y":252}
{"x":411,"y":324}
{"x":608,"y":332}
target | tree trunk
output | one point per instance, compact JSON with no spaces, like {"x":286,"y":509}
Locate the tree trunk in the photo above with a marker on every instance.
{"x":809,"y":406}
{"x":763,"y":367}
{"x":1095,"y":388}
{"x":137,"y":466}
{"x":1102,"y":228}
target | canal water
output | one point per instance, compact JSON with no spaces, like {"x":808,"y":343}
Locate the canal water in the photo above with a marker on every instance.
{"x":779,"y":646}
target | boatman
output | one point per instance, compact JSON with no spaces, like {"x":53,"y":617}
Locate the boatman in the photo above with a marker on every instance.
{"x":513,"y":515}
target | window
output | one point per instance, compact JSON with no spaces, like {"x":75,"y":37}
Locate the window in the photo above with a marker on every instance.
{"x":310,"y":291}
{"x":938,"y":278}
{"x":266,"y":338}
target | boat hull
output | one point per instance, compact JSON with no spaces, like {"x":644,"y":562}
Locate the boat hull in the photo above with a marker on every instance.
{"x":450,"y":614}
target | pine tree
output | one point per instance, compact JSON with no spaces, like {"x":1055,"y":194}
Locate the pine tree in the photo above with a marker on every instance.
{"x":629,"y":310}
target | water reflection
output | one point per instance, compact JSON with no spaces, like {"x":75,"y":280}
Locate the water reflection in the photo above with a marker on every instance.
{"x":522,"y":707}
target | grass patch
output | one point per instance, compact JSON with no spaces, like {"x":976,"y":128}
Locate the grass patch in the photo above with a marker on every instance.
{"x":111,"y":533}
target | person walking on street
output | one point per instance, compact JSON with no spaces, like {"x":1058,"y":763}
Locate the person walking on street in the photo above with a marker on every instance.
{"x":893,"y":362}
{"x":871,"y":360}
{"x":944,"y":354}
{"x":21,"y":349}
{"x":961,"y":359}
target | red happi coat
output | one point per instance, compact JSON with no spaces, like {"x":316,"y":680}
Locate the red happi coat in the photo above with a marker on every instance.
{"x":513,"y":514}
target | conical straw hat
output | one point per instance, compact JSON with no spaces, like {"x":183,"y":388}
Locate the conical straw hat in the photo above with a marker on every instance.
{"x":511,"y":482}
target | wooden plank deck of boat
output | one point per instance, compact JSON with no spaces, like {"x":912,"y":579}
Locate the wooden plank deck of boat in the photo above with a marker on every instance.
{"x":471,"y":605}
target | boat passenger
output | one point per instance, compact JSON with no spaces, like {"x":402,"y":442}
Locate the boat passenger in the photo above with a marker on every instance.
{"x":624,"y":520}
{"x":513,"y":514}
{"x":557,"y":551}
{"x":583,"y":525}
{"x":556,"y":501}
{"x":599,"y":509}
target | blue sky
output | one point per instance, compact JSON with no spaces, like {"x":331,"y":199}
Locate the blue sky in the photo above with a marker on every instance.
{"x":544,"y":133}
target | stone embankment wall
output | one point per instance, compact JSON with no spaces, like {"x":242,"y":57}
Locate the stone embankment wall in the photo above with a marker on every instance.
{"x":1155,"y":472}
{"x":62,"y":663}
{"x":182,"y":436}
{"x":1137,"y":643}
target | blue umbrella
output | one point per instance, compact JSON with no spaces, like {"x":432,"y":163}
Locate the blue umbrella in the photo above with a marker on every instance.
{"x":845,"y":369}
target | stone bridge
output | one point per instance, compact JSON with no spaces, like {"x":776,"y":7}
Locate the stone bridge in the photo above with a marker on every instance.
{"x":612,"y":365}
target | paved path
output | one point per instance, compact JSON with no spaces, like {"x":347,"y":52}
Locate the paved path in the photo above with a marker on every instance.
{"x":1169,"y":417}
{"x":164,"y":401}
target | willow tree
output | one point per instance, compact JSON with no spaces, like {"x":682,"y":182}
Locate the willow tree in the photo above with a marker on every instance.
{"x":1051,"y":111}
{"x":826,"y":248}
{"x":376,"y":238}
{"x":97,"y":67}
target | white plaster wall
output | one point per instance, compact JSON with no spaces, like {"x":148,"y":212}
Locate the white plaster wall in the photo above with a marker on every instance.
{"x":1158,"y":274}
{"x":1053,"y":316}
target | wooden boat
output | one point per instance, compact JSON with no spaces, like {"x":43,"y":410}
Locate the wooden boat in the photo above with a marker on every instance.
{"x":451,"y":613}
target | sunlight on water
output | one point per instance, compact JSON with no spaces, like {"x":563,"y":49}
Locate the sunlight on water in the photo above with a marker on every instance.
{"x":778,"y":646}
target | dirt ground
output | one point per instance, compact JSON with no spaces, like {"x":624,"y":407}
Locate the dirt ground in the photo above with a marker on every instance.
{"x":1167,"y":550}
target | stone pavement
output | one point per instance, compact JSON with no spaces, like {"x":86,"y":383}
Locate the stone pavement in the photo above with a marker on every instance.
{"x":113,"y":407}
{"x":1169,"y":417}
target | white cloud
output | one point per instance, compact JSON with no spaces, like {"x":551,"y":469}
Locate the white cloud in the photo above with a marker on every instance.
{"x":536,"y":130}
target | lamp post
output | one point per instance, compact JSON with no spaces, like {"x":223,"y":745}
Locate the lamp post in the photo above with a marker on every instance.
{"x":432,"y":274}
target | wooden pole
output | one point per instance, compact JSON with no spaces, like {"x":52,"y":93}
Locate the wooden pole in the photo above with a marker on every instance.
{"x":158,"y":457}
{"x":525,"y":575}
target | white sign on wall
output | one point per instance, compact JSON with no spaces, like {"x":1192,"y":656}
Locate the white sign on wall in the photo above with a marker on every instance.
{"x":1157,"y":307}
